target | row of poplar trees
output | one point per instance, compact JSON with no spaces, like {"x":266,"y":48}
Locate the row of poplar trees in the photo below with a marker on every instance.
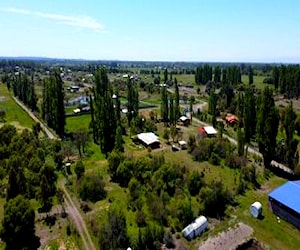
{"x":23,"y":88}
{"x":170,"y":110}
{"x":53,"y":110}
{"x":105,"y":111}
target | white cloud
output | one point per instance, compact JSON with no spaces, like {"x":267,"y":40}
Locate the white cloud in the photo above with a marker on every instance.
{"x":78,"y":21}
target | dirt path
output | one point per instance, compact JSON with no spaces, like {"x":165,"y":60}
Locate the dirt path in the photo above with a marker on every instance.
{"x":71,"y":207}
{"x":78,"y":220}
{"x":33,"y":117}
{"x":228,"y":239}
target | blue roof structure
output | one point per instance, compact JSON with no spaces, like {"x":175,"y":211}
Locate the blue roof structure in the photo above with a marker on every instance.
{"x":288,"y":194}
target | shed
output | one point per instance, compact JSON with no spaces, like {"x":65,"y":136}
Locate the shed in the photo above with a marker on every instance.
{"x":208,"y":130}
{"x":194,"y":229}
{"x":182,"y":145}
{"x":256,"y":209}
{"x":284,"y":201}
{"x":76,"y":111}
{"x":149,"y":139}
{"x":185,"y":120}
{"x":231,"y":119}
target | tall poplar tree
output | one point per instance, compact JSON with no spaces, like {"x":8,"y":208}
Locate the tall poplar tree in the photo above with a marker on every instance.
{"x":250,"y":75}
{"x":164,"y":105}
{"x":267,"y":125}
{"x":53,"y":110}
{"x":132,"y":100}
{"x":176,"y":104}
{"x":291,"y":157}
{"x":105,"y":117}
{"x":249,"y":114}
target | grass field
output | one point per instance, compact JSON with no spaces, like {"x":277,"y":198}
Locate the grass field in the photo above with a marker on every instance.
{"x":74,"y":123}
{"x":14,"y":114}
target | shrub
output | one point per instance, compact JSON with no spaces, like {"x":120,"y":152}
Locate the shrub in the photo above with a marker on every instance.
{"x":92,"y":188}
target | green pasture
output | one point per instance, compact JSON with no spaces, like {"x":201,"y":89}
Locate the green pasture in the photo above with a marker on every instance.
{"x":14,"y":113}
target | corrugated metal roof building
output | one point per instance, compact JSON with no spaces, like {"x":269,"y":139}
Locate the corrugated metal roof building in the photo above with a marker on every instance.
{"x":285,"y":202}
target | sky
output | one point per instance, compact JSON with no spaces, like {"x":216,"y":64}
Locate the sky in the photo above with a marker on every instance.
{"x":152,"y":30}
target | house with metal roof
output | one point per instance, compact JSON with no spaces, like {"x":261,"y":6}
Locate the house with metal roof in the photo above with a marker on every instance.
{"x":285,"y":202}
{"x":149,"y":139}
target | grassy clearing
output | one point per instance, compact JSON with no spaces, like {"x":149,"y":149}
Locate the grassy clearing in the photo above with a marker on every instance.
{"x":14,"y":114}
{"x":74,"y":123}
{"x":258,"y":81}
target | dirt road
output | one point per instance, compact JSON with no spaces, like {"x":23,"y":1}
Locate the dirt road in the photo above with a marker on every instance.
{"x":33,"y":117}
{"x":78,"y":220}
{"x":71,"y":207}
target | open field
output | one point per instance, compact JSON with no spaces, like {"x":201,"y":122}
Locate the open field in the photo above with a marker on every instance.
{"x":14,"y":114}
{"x":74,"y":123}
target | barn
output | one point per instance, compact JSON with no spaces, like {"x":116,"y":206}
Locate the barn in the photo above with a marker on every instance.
{"x":149,"y":139}
{"x":284,"y":201}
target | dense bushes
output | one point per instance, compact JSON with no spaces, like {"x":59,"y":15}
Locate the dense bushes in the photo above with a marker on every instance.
{"x":212,"y":149}
{"x":92,"y":188}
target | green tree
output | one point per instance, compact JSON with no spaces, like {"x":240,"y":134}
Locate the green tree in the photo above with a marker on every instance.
{"x":47,"y":186}
{"x":291,"y":156}
{"x":172,"y":111}
{"x":92,"y":188}
{"x":275,"y":76}
{"x":113,"y":233}
{"x":18,"y":230}
{"x":119,"y":145}
{"x":132,"y":100}
{"x":212,"y":106}
{"x":250,"y":75}
{"x":79,"y":169}
{"x":16,"y":178}
{"x":105,"y":117}
{"x":241,"y":142}
{"x":165,"y":75}
{"x":267,"y":125}
{"x":164,"y":105}
{"x":249,"y":121}
{"x":176,"y":105}
{"x":53,"y":110}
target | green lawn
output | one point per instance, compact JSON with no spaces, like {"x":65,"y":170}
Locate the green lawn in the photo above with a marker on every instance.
{"x":14,"y":114}
{"x":258,"y":81}
{"x":74,"y":123}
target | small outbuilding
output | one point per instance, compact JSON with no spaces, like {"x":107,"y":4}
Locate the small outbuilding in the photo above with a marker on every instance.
{"x":182,"y":145}
{"x":194,"y":229}
{"x":284,"y":201}
{"x":208,"y":131}
{"x":231,"y":119}
{"x":149,"y":139}
{"x":256,"y":209}
{"x":185,"y":120}
{"x":76,"y":111}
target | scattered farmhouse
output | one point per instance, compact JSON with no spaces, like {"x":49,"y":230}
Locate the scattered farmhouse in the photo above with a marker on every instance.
{"x":231,"y":120}
{"x":208,"y":131}
{"x":285,"y":202}
{"x":149,"y":139}
{"x":184,"y":120}
{"x":195,"y":228}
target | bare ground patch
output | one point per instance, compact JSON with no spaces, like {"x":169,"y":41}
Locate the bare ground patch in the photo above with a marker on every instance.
{"x":228,"y":239}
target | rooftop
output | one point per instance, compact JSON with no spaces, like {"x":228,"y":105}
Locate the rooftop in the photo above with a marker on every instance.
{"x":288,"y":194}
{"x":148,"y":138}
{"x":210,"y":130}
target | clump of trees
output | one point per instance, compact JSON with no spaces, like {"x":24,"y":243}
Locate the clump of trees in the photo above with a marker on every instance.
{"x":53,"y":109}
{"x":32,"y":176}
{"x":23,"y":88}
